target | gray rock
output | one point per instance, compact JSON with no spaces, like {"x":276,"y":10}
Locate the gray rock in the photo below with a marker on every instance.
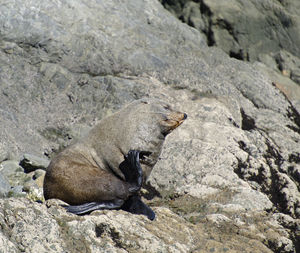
{"x":32,"y":163}
{"x":17,"y":191}
{"x":39,"y":173}
{"x":223,"y":174}
{"x":250,"y":31}
{"x":282,"y":83}
{"x":53,"y":230}
{"x":4,"y":186}
{"x":14,"y":173}
{"x":287,"y":64}
{"x":211,"y":170}
{"x":23,"y":181}
{"x":9,"y":167}
{"x":295,"y":75}
{"x":3,"y":153}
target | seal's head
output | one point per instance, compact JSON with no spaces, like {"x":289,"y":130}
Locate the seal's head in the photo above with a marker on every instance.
{"x":157,"y":113}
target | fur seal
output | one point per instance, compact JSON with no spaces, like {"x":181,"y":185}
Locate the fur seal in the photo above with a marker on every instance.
{"x":106,"y":168}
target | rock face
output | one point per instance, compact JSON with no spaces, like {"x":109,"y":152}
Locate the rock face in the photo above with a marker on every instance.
{"x":52,"y":230}
{"x":265,"y":31}
{"x":227,"y":179}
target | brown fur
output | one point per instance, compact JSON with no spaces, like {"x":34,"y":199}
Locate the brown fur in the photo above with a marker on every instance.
{"x":88,"y":171}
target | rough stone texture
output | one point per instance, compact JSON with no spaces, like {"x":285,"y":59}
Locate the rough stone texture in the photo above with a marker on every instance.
{"x":32,"y":163}
{"x":4,"y":186}
{"x":227,"y":179}
{"x":240,"y":27}
{"x":53,"y":230}
{"x":267,"y":31}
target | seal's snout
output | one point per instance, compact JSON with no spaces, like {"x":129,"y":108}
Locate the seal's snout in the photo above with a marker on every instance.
{"x":172,"y":120}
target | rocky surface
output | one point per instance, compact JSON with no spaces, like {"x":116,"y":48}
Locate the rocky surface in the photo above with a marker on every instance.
{"x":52,"y":230}
{"x":267,"y":31}
{"x":227,"y":179}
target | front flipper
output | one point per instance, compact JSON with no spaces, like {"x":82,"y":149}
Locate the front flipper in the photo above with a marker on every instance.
{"x":132,"y":170}
{"x":92,"y":206}
{"x":136,"y":206}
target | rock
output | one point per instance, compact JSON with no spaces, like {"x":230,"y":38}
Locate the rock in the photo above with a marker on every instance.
{"x":4,"y":186}
{"x":283,"y":83}
{"x":32,"y":163}
{"x":66,"y":64}
{"x":288,"y":64}
{"x":3,"y":153}
{"x":23,"y":182}
{"x":34,"y":186}
{"x":223,"y":23}
{"x":248,"y":31}
{"x":54,"y":230}
{"x":14,"y":172}
{"x":295,"y":75}
{"x":39,"y":176}
{"x":17,"y":191}
{"x":6,"y":245}
{"x":10,"y":167}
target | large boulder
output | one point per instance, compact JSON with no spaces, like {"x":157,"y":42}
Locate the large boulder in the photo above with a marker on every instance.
{"x":267,"y":31}
{"x":227,"y":179}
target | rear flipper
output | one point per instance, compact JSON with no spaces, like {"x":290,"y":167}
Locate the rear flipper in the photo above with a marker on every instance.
{"x":132,"y":170}
{"x":92,"y":206}
{"x":136,"y":206}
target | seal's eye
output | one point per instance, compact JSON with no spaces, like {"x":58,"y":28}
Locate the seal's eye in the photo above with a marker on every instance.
{"x":167,"y":107}
{"x":145,"y":102}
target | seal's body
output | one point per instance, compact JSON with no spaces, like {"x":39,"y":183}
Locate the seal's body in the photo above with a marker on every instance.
{"x":99,"y":167}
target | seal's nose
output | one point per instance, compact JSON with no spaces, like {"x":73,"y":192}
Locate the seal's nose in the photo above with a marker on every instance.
{"x":184,"y":116}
